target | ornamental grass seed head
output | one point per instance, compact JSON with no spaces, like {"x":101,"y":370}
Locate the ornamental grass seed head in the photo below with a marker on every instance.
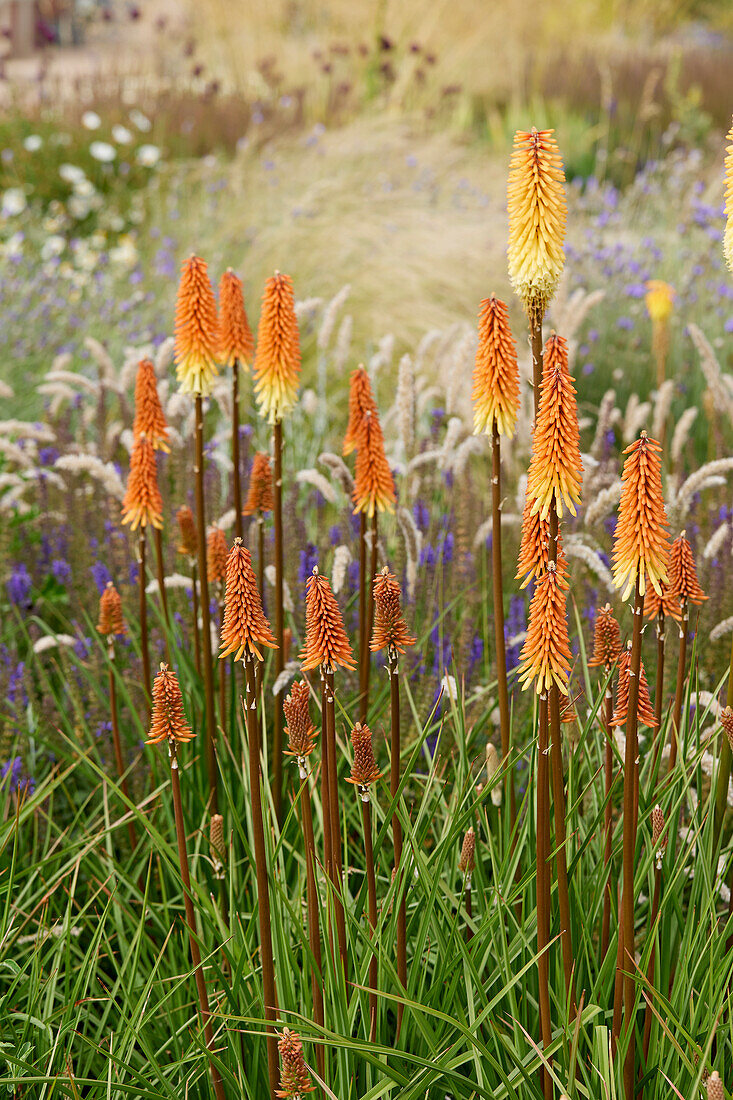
{"x":217,"y":553}
{"x":277,"y":360}
{"x":300,"y":731}
{"x":545,"y":656}
{"x":537,"y":217}
{"x":645,"y":710}
{"x":187,"y":532}
{"x":111,"y":621}
{"x":196,"y":348}
{"x":556,"y":469}
{"x":390,"y":629}
{"x":496,"y":372}
{"x":326,"y":642}
{"x":683,"y":582}
{"x":364,"y":770}
{"x":294,"y":1077}
{"x":374,"y":488}
{"x":168,"y":722}
{"x":245,"y":627}
{"x":728,"y":235}
{"x":259,"y":496}
{"x":641,"y":540}
{"x":236,"y":342}
{"x":361,"y":405}
{"x":149,"y":417}
{"x":142,"y":503}
{"x":607,"y":639}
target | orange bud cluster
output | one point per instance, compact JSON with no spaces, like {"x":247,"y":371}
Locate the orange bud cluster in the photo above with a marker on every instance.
{"x":236,"y":342}
{"x":245,"y":626}
{"x":534,"y":548}
{"x":683,"y":582}
{"x":374,"y":488}
{"x":196,"y":329}
{"x":187,"y":531}
{"x":667,"y":603}
{"x":300,"y":730}
{"x":545,"y":655}
{"x":390,"y":629}
{"x":142,"y":503}
{"x":168,"y":722}
{"x":364,"y":770}
{"x":217,"y":553}
{"x":556,"y":468}
{"x":259,"y":497}
{"x":645,"y":708}
{"x":277,"y":362}
{"x":326,"y":642}
{"x":607,"y":639}
{"x":294,"y":1078}
{"x":149,"y":418}
{"x":110,"y":612}
{"x":641,"y":541}
{"x":361,"y":405}
{"x":496,"y":373}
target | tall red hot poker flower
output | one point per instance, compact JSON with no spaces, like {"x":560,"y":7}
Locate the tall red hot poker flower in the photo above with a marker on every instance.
{"x":142,"y":503}
{"x":259,"y":497}
{"x":534,"y":548}
{"x":217,"y":553}
{"x":545,"y":656}
{"x":196,"y":329}
{"x":277,"y":361}
{"x":496,"y":372}
{"x":641,"y":540}
{"x":168,"y":722}
{"x":667,"y":603}
{"x":364,"y":770}
{"x":361,"y":405}
{"x":245,"y":626}
{"x":607,"y":639}
{"x":294,"y":1078}
{"x":187,"y":531}
{"x":374,"y":488}
{"x":149,"y":417}
{"x":390,"y":629}
{"x":110,"y":612}
{"x":683,"y":582}
{"x":556,"y":468}
{"x":645,"y":708}
{"x":326,"y":642}
{"x":300,"y":731}
{"x":235,"y":337}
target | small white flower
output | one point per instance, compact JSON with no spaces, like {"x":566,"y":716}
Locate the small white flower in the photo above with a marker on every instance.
{"x":53,"y":246}
{"x":148,"y":155}
{"x":138,"y":119}
{"x":121,"y":135}
{"x":90,"y":120}
{"x":103,"y":151}
{"x":84,"y":188}
{"x":33,"y":143}
{"x":78,"y":206}
{"x":125,"y":252}
{"x":71,"y":173}
{"x":448,"y":684}
{"x":13,"y":202}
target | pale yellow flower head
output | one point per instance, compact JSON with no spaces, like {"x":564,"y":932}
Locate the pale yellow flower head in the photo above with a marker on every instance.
{"x":659,"y":300}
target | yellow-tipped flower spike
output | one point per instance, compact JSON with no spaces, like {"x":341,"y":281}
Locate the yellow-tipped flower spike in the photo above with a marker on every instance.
{"x":537,"y":217}
{"x":728,"y":236}
{"x":659,"y":300}
{"x":496,"y":373}
{"x":277,"y":359}
{"x":197,"y":329}
{"x":556,"y":469}
{"x":545,"y":656}
{"x":641,"y":540}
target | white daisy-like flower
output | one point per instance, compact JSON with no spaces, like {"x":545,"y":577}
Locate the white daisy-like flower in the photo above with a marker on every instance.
{"x":13,"y":202}
{"x":140,"y":121}
{"x":103,"y":151}
{"x":90,"y":120}
{"x":121,"y":135}
{"x":33,"y":143}
{"x":71,"y":173}
{"x":148,"y":155}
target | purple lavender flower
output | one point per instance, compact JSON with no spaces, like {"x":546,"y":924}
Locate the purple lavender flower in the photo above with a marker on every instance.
{"x":101,"y":575}
{"x":61,"y":570}
{"x":308,"y":558}
{"x":19,"y":585}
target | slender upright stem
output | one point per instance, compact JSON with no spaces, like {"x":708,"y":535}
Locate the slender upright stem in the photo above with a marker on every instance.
{"x":263,"y":887}
{"x":314,"y":936}
{"x":196,"y":636}
{"x":372,"y":889}
{"x":326,"y":779}
{"x":650,"y":965}
{"x":535,"y":338}
{"x":116,"y":739}
{"x":363,"y":635}
{"x":607,"y":818}
{"x":206,"y":658}
{"x":394,"y":783}
{"x":659,"y":690}
{"x":157,"y":536}
{"x":236,"y":473}
{"x":501,"y":675}
{"x":469,"y":907}
{"x":334,"y":815}
{"x":724,"y":762}
{"x":543,"y":885}
{"x":277,"y":732}
{"x":680,"y":689}
{"x":369,"y":617}
{"x":618,"y":991}
{"x":261,"y":556}
{"x":191,"y":921}
{"x":143,"y":614}
{"x":222,"y":675}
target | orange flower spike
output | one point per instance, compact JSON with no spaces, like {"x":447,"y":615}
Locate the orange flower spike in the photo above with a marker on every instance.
{"x":667,"y":603}
{"x":142,"y":503}
{"x":361,"y":405}
{"x":259,"y":497}
{"x":607,"y":639}
{"x":683,"y":582}
{"x":294,"y":1078}
{"x":545,"y":656}
{"x":217,"y":553}
{"x":235,"y":336}
{"x":326,"y":642}
{"x":168,"y":722}
{"x":390,"y":629}
{"x":277,"y":362}
{"x":245,"y":626}
{"x":110,"y":612}
{"x":187,"y":531}
{"x":374,"y":488}
{"x":301,"y":732}
{"x":556,"y":468}
{"x":364,"y":770}
{"x":534,"y":548}
{"x":149,"y":418}
{"x":496,"y":373}
{"x":196,"y":329}
{"x":641,"y":541}
{"x":621,"y":712}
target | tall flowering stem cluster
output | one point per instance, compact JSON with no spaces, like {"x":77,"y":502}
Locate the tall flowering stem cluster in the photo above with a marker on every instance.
{"x":111,"y":625}
{"x":685,"y":588}
{"x":260,"y":501}
{"x":236,"y":348}
{"x":659,"y":608}
{"x":364,"y":772}
{"x":187,"y":545}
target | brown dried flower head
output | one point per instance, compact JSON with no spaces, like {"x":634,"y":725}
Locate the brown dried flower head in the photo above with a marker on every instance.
{"x":607,"y":640}
{"x":667,"y":603}
{"x":168,"y":722}
{"x":277,"y":362}
{"x":245,"y":627}
{"x":217,"y":553}
{"x":496,"y":372}
{"x":683,"y":582}
{"x":658,"y":829}
{"x":645,"y":708}
{"x":259,"y":497}
{"x":217,"y":845}
{"x":196,"y":329}
{"x":534,"y":548}
{"x":467,"y":862}
{"x":364,"y":770}
{"x":715,"y":1086}
{"x":361,"y":405}
{"x":545,"y":656}
{"x":110,"y":612}
{"x":726,"y":721}
{"x":556,"y":469}
{"x":149,"y":417}
{"x":300,"y":730}
{"x":374,"y":488}
{"x":294,"y":1077}
{"x":187,"y":531}
{"x":390,"y":629}
{"x":142,"y":503}
{"x":236,"y":342}
{"x":641,"y":540}
{"x":326,"y":642}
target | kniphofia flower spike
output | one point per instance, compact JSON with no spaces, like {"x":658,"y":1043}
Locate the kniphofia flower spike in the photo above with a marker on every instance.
{"x":277,"y":360}
{"x":496,"y":373}
{"x":641,"y":540}
{"x":196,"y":329}
{"x":245,"y":626}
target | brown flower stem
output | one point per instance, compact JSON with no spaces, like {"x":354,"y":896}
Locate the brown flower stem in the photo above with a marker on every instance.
{"x":629,"y":839}
{"x":372,"y":890}
{"x":263,"y":887}
{"x":724,"y":763}
{"x":369,"y":615}
{"x":659,"y":691}
{"x":618,"y":999}
{"x":543,"y":885}
{"x":469,"y":908}
{"x":277,"y":732}
{"x":206,"y":658}
{"x":116,"y":739}
{"x":196,"y":637}
{"x":191,"y":920}
{"x":650,"y":965}
{"x":314,"y":936}
{"x":535,"y":339}
{"x":261,"y":558}
{"x":394,"y":783}
{"x":157,"y":535}
{"x":501,"y":676}
{"x":143,"y":612}
{"x":363,"y":636}
{"x":680,"y":689}
{"x":335,"y":818}
{"x":222,"y":683}
{"x":236,"y":473}
{"x":607,"y":819}
{"x":326,"y":780}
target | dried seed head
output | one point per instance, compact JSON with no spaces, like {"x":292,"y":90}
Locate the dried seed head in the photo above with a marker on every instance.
{"x":374,"y":488}
{"x":364,"y":770}
{"x":142,"y":503}
{"x":545,"y":656}
{"x":217,"y":845}
{"x":217,"y":553}
{"x":556,"y":469}
{"x":726,"y":721}
{"x":537,"y":216}
{"x":277,"y":361}
{"x":645,"y":708}
{"x":683,"y":582}
{"x":110,"y":612}
{"x":659,"y":300}
{"x":168,"y":722}
{"x":390,"y":629}
{"x":667,"y":603}
{"x":294,"y":1077}
{"x":361,"y":405}
{"x":245,"y":627}
{"x":467,"y":862}
{"x":149,"y":418}
{"x":301,"y":732}
{"x":658,"y":844}
{"x":187,"y":531}
{"x":496,"y":372}
{"x":607,"y":640}
{"x":728,"y":236}
{"x":235,"y":338}
{"x":534,"y":548}
{"x":326,"y":642}
{"x":641,"y":541}
{"x":197,"y":329}
{"x":259,"y":497}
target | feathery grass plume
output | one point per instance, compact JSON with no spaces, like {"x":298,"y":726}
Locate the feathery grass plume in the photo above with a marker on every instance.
{"x":545,"y":655}
{"x":467,"y":862}
{"x":726,"y":721}
{"x":556,"y":468}
{"x":683,"y":582}
{"x":641,"y":541}
{"x":607,"y":639}
{"x":374,"y":488}
{"x":217,"y":845}
{"x":196,"y":329}
{"x":361,"y":405}
{"x":110,"y":621}
{"x":646,"y":710}
{"x":142,"y":504}
{"x":245,"y":627}
{"x":300,"y":731}
{"x":364,"y":770}
{"x":186,"y":531}
{"x":496,"y":372}
{"x":259,"y":496}
{"x":217,"y":553}
{"x":277,"y":360}
{"x":168,"y":722}
{"x":294,"y":1077}
{"x":534,"y":547}
{"x":326,"y":642}
{"x":537,"y":216}
{"x":390,"y":629}
{"x":236,"y":342}
{"x":665,"y":603}
{"x":149,"y":417}
{"x":728,"y":236}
